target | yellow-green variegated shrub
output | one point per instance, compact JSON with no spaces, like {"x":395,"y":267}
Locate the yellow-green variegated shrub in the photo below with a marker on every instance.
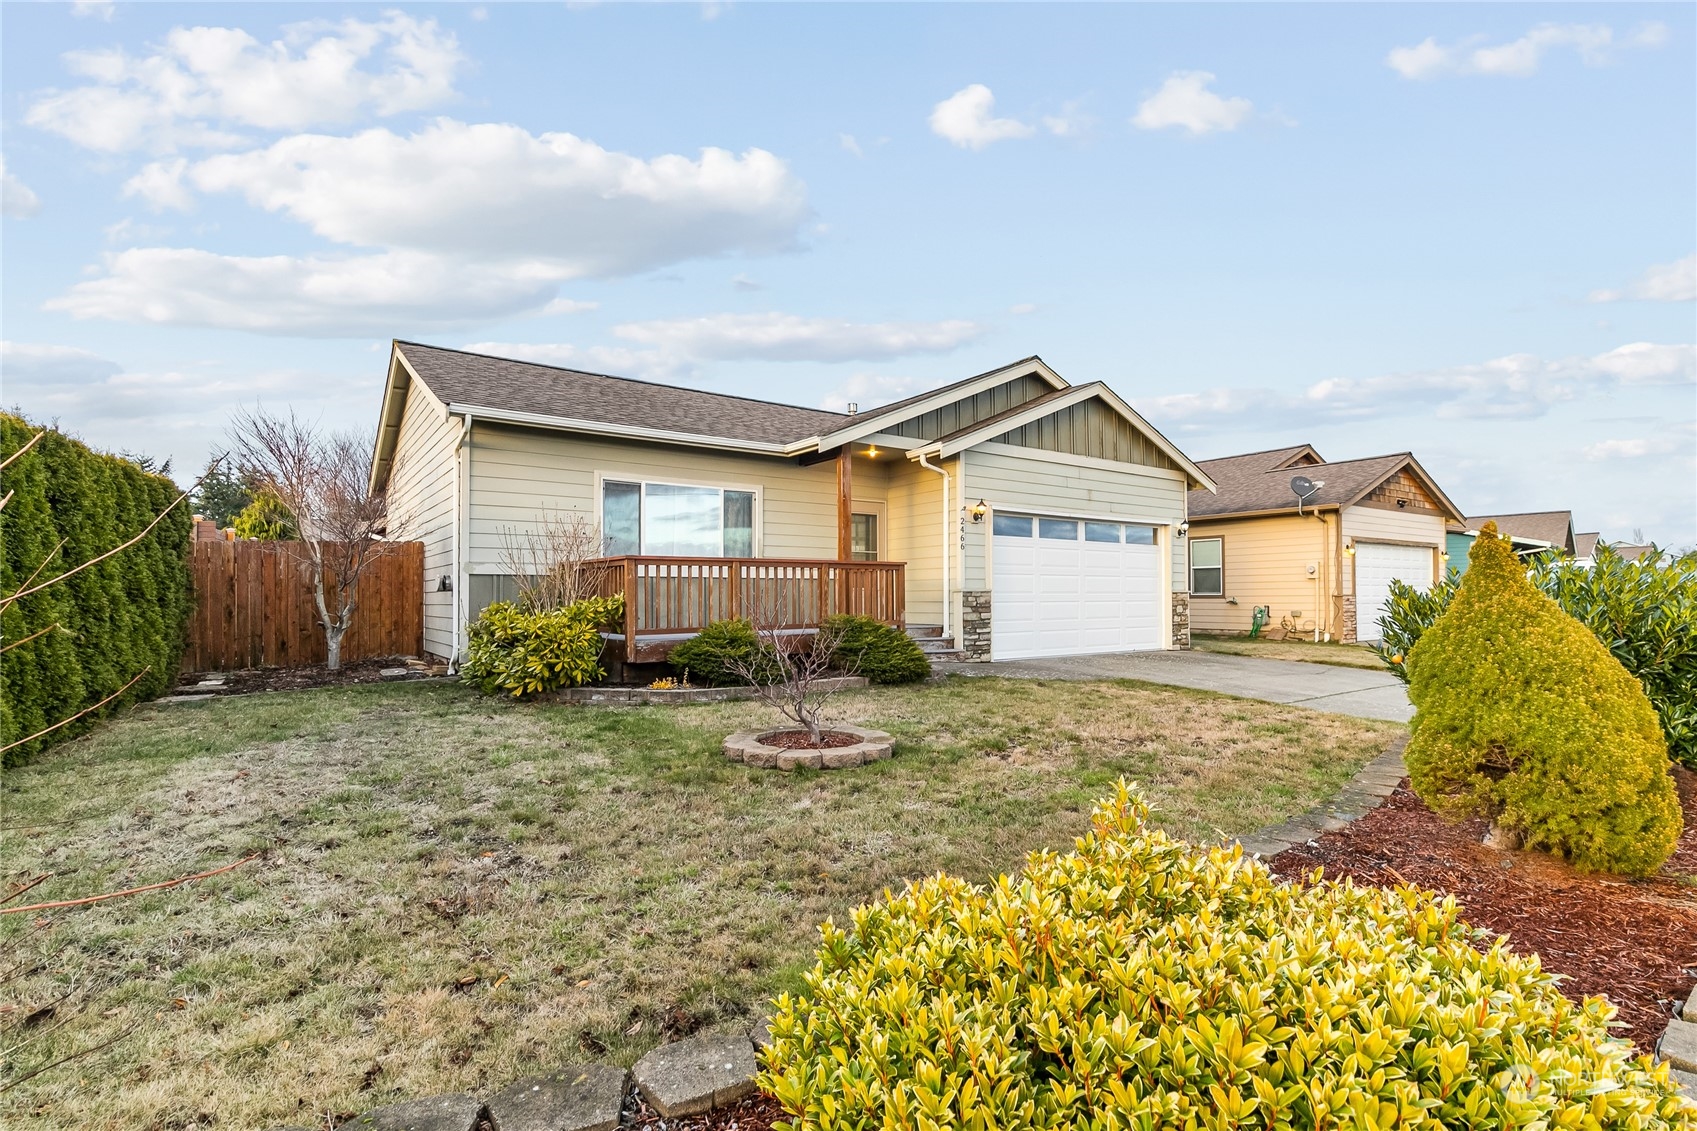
{"x":522,"y":652}
{"x":1140,"y":982}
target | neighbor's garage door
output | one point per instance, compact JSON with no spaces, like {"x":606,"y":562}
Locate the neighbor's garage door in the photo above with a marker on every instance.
{"x":1062,"y":586}
{"x":1377,"y":564}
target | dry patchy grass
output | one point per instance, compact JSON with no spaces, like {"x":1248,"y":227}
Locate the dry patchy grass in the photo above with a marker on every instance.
{"x":1337,"y":655}
{"x":607,"y":879}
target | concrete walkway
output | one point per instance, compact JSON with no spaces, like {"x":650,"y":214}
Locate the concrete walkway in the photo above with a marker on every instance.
{"x":1322,"y":687}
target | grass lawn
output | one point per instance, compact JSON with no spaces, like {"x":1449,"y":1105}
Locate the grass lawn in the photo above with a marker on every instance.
{"x":457,"y":891}
{"x":1338,"y":655}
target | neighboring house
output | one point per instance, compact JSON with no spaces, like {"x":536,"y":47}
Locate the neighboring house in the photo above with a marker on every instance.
{"x":1034,"y":517}
{"x":1530,"y":533}
{"x":1585,"y":549}
{"x":1325,"y":563}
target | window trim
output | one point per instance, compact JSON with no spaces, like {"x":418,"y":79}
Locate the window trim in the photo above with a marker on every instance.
{"x":1190,"y":567}
{"x":602,"y":477}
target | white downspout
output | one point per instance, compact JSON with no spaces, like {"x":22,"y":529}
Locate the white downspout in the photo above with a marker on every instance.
{"x":929,"y":466}
{"x":462,"y":523}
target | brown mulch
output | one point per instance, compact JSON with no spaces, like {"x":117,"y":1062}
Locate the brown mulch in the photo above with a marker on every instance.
{"x":757,"y":1113}
{"x":1634,"y":941}
{"x":250,"y":680}
{"x":801,"y":740}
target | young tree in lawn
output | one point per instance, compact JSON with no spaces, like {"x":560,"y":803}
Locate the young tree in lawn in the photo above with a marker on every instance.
{"x":796,"y":681}
{"x":324,"y":480}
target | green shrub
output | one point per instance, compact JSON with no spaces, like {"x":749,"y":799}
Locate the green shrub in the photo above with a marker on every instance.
{"x":1521,"y":715}
{"x":869,"y":647}
{"x":706,"y":657}
{"x":516,"y":652}
{"x":266,"y":519}
{"x":1139,"y":982}
{"x":127,"y":613}
{"x":1644,"y":612}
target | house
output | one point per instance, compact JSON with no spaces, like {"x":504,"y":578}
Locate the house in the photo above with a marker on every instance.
{"x":1323,"y":561}
{"x":1010,"y":514}
{"x":1530,"y":533}
{"x":1585,"y":549}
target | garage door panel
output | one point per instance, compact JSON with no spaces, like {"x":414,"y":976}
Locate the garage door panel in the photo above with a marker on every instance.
{"x":1377,"y":564}
{"x":1054,"y":596}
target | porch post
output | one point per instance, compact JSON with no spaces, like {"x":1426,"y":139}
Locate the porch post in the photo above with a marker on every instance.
{"x":845,"y":503}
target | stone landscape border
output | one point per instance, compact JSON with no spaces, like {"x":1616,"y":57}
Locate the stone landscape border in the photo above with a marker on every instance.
{"x":631,"y":696}
{"x":1366,"y":791}
{"x":746,"y":747}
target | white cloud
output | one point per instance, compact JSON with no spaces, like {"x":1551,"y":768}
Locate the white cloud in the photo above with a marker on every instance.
{"x":744,"y":282}
{"x":1023,"y":308}
{"x":1516,"y":387}
{"x":29,"y":363}
{"x":789,"y":337}
{"x":868,"y":391}
{"x":497,"y":192}
{"x":570,"y":306}
{"x":848,"y":142}
{"x":1185,"y":101}
{"x":102,"y":10}
{"x":1070,"y":122}
{"x":204,"y":83}
{"x":1630,"y":449}
{"x":1519,"y":58}
{"x":17,"y":200}
{"x":965,"y":118}
{"x":459,"y":222}
{"x":1665,"y":282}
{"x":310,"y":295}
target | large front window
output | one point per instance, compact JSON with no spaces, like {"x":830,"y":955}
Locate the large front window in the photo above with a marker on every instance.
{"x":676,"y":520}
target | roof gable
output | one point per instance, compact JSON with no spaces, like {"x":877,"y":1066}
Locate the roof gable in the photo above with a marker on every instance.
{"x":1259,"y":483}
{"x":1554,"y":528}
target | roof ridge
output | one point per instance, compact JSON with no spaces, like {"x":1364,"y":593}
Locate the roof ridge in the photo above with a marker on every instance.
{"x":1262,"y":452}
{"x":1525,"y":514}
{"x":616,"y":377}
{"x":1344,"y":462}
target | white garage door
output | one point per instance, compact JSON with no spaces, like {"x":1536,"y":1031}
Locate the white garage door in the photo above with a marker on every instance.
{"x":1377,"y":564}
{"x":1064,"y":586}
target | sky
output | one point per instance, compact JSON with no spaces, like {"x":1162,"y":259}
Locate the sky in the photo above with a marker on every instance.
{"x":1466,"y":231}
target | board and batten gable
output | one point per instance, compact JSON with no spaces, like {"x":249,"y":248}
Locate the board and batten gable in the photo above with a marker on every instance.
{"x":1090,"y":428}
{"x":968,"y":411}
{"x":421,"y":504}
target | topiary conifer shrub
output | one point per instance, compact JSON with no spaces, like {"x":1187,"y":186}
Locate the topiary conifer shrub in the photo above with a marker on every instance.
{"x":1523,"y":716}
{"x":880,"y":652}
{"x":1138,"y":982}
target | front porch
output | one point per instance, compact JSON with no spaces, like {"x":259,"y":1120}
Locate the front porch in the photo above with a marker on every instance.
{"x":670,"y":599}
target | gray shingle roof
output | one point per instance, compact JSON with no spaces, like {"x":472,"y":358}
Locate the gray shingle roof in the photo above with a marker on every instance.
{"x":457,"y":377}
{"x":1255,"y":482}
{"x":1584,"y":545}
{"x":1554,"y":527}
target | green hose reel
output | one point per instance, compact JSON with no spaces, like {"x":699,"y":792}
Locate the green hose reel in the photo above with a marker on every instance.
{"x":1258,"y":621}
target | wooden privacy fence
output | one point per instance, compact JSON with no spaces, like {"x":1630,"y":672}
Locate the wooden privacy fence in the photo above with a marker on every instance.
{"x":254,"y":607}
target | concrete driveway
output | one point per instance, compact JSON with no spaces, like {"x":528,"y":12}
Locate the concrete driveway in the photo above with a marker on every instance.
{"x":1342,"y":691}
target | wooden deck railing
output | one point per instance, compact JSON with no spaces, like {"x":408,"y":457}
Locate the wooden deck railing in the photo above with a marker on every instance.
{"x":677,"y":597}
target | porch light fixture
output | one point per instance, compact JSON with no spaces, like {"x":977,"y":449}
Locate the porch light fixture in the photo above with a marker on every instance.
{"x":1349,"y":548}
{"x":1184,"y":528}
{"x":980,"y":510}
{"x":872,"y":451}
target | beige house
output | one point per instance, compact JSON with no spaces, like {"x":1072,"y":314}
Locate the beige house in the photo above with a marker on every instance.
{"x":1323,"y":560}
{"x":1009,"y":514}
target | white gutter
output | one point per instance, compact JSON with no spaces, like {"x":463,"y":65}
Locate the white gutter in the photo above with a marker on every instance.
{"x":929,"y":466}
{"x":628,"y":431}
{"x":462,"y":519}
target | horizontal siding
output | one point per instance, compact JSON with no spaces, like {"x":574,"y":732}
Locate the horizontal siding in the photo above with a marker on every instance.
{"x":1008,"y":482}
{"x":913,"y":508}
{"x":421,"y":504}
{"x":518,"y":474}
{"x":1266,"y":563}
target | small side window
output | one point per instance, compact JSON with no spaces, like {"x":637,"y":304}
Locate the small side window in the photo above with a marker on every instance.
{"x":1012,"y":526}
{"x":1140,"y":535}
{"x":1207,"y":567}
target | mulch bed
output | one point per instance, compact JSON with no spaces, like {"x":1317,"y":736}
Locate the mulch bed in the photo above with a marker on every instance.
{"x":757,"y":1113}
{"x":801,"y":740}
{"x":1634,"y":941}
{"x":249,"y":680}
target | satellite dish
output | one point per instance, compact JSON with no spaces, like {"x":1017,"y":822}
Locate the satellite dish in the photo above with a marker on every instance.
{"x":1302,"y":485}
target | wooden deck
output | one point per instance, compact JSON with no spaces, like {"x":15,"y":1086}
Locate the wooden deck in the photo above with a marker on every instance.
{"x":668,"y":600}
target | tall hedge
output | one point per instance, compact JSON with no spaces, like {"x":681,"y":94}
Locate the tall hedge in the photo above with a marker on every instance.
{"x":127,"y":613}
{"x":1522,"y":715}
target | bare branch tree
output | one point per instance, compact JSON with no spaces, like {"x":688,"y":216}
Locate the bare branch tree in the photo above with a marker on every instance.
{"x":546,"y":559}
{"x":794,"y":679}
{"x":324,"y":478}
